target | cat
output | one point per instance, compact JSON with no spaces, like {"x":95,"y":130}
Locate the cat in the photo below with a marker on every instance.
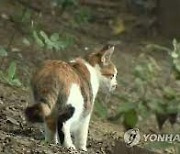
{"x":64,"y":94}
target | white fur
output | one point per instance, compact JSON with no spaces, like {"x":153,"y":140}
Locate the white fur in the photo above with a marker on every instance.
{"x":78,"y":124}
{"x":94,"y":80}
{"x":114,"y":81}
{"x":76,"y":100}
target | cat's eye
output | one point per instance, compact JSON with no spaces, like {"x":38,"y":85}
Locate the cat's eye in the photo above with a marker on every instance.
{"x":112,"y":76}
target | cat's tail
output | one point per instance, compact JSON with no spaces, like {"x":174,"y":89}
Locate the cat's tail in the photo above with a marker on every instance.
{"x":63,"y":116}
{"x":37,"y":112}
{"x":65,"y":113}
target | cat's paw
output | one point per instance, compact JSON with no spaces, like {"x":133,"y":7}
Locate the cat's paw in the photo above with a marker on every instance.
{"x":72,"y":149}
{"x":83,"y":148}
{"x":70,"y":146}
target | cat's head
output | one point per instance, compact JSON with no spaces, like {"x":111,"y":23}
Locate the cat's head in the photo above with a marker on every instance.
{"x":106,"y":70}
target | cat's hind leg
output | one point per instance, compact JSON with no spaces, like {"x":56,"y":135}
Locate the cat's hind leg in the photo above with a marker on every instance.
{"x":81,"y":134}
{"x":50,"y":125}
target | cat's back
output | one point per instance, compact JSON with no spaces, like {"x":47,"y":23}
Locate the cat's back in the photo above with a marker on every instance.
{"x":53,"y":78}
{"x":55,"y":71}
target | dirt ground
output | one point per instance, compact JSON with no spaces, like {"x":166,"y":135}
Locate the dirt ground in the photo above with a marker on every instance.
{"x":16,"y":134}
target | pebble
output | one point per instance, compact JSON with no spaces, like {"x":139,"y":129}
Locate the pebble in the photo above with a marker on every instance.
{"x":1,"y":102}
{"x":12,"y":120}
{"x":4,"y":16}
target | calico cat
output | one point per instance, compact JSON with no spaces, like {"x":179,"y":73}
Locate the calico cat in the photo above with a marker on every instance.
{"x":64,"y":94}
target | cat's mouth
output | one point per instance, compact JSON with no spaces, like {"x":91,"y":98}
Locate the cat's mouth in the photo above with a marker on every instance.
{"x":106,"y":89}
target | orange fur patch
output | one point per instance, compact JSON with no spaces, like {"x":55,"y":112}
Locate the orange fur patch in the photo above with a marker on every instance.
{"x":51,"y":83}
{"x":108,"y":70}
{"x":51,"y":123}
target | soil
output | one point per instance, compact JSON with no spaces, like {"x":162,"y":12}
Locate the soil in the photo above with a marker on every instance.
{"x":16,"y":134}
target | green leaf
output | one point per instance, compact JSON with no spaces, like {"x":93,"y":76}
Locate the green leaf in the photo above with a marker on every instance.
{"x":83,"y":16}
{"x":54,"y":37}
{"x":139,"y":72}
{"x":177,"y":64}
{"x":159,"y":47}
{"x":143,"y":111}
{"x":173,"y":106}
{"x":126,"y":107}
{"x":122,"y":96}
{"x":26,"y":42}
{"x":169,"y":93}
{"x":11,"y":71}
{"x":9,"y":76}
{"x":130,"y":118}
{"x":16,"y":82}
{"x":27,"y":16}
{"x":138,"y":82}
{"x":154,"y":63}
{"x":68,"y":3}
{"x":174,"y":55}
{"x":45,"y":37}
{"x":37,"y":39}
{"x":174,"y":42}
{"x":100,"y":109}
{"x":157,"y":105}
{"x":3,"y":52}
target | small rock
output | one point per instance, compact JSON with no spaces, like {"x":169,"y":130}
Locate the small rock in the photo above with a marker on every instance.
{"x":7,"y":140}
{"x":12,"y":120}
{"x":86,"y":48}
{"x":14,"y":49}
{"x":22,"y":100}
{"x":1,"y":102}
{"x":4,"y":16}
{"x":12,"y":108}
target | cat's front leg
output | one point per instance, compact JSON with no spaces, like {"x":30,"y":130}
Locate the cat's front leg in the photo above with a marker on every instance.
{"x":67,"y":140}
{"x":82,"y":133}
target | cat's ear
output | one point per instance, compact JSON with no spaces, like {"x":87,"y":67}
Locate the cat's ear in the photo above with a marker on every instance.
{"x":107,"y":52}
